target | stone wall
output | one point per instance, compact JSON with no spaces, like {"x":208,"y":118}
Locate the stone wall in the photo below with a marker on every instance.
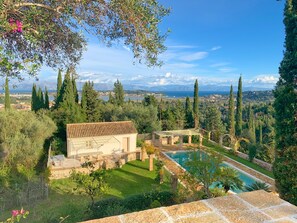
{"x":105,"y":162}
{"x":261,"y":163}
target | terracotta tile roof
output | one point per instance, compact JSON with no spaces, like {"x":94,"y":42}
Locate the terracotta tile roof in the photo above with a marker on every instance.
{"x":80,"y":130}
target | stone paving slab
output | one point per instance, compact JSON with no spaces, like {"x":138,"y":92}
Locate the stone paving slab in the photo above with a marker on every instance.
{"x":250,"y":207}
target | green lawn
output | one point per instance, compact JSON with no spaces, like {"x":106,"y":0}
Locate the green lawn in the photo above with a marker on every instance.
{"x":224,"y":152}
{"x":63,"y":201}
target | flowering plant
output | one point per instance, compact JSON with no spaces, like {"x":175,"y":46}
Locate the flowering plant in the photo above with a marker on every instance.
{"x":16,"y":216}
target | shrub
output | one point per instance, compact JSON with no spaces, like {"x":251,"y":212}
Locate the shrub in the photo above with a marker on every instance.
{"x":155,"y":204}
{"x":252,"y":151}
{"x":138,"y":202}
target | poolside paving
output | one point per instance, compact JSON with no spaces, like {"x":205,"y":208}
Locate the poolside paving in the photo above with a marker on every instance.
{"x":249,"y":207}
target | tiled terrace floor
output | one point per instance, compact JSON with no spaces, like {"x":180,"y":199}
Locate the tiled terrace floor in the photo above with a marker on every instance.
{"x":250,"y":207}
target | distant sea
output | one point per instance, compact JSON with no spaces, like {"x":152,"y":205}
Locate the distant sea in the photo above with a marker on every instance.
{"x":183,"y":94}
{"x":167,"y":94}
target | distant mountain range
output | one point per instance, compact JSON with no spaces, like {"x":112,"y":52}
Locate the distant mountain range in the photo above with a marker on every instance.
{"x":22,"y":86}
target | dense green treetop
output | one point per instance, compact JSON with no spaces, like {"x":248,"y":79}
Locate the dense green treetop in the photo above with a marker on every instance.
{"x":285,"y":105}
{"x":119,"y":94}
{"x":90,"y":102}
{"x":36,"y":33}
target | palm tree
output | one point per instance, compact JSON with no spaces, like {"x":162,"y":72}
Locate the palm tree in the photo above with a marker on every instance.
{"x":258,"y":186}
{"x":228,"y":179}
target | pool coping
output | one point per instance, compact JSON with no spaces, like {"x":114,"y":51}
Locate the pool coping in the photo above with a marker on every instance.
{"x":237,"y":168}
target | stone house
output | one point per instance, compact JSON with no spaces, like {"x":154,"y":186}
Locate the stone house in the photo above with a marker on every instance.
{"x":100,"y":138}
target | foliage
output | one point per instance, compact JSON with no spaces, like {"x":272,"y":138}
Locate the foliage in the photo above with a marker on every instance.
{"x":49,"y":32}
{"x":159,"y":171}
{"x":38,"y":101}
{"x":7,"y":95}
{"x":133,"y":203}
{"x":205,"y":169}
{"x":238,"y":116}
{"x":285,"y":105}
{"x":90,"y":103}
{"x":119,"y":94}
{"x":196,"y":105}
{"x":16,"y":216}
{"x":150,"y":100}
{"x":22,"y":136}
{"x":228,"y":179}
{"x":222,"y":151}
{"x":189,"y":114}
{"x":251,"y":125}
{"x":257,"y":186}
{"x":93,"y":184}
{"x":231,"y":121}
{"x":218,"y":192}
{"x":46,"y":99}
{"x":150,"y":149}
{"x":284,"y":169}
{"x":145,"y":118}
{"x":214,"y":122}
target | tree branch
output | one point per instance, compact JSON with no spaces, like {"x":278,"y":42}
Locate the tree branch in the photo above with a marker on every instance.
{"x":28,"y":4}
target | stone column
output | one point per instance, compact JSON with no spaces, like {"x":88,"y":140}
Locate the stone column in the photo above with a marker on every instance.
{"x":160,"y":141}
{"x":190,"y":139}
{"x":181,"y":139}
{"x":200,"y":140}
{"x":171,"y":140}
{"x":221,"y":140}
{"x":151,"y":167}
{"x":153,"y":137}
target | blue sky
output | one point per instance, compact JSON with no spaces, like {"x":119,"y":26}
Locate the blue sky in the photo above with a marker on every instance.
{"x":212,"y":40}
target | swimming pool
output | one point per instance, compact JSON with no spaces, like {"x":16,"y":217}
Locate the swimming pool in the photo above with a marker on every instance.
{"x":181,"y":157}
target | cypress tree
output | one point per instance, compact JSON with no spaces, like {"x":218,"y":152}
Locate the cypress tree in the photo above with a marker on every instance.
{"x":189,"y":114}
{"x":59,"y":87}
{"x":110,"y":98}
{"x":34,"y":99}
{"x":238,"y":117}
{"x":46,"y":99}
{"x":75,"y":93}
{"x":285,"y":106}
{"x":260,"y":133}
{"x":231,"y":122}
{"x":119,"y":94}
{"x":40,"y":97}
{"x":90,"y":102}
{"x":251,"y":125}
{"x":196,"y":106}
{"x":7,"y":95}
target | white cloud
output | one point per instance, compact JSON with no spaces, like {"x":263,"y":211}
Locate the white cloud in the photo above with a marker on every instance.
{"x":215,"y":48}
{"x":226,"y":69}
{"x":126,"y":48}
{"x":194,"y":56}
{"x":219,"y":64}
{"x":181,"y":47}
{"x":265,"y":79}
{"x":168,"y":75}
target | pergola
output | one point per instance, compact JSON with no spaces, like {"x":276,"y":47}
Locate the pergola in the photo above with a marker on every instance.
{"x":177,"y":133}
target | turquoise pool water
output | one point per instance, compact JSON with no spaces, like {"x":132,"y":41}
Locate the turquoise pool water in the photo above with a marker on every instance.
{"x":182,"y":157}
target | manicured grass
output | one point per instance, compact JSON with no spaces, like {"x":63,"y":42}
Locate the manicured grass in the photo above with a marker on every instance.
{"x":224,"y":152}
{"x":63,"y":201}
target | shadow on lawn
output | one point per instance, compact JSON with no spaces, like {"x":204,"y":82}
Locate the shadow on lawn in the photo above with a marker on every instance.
{"x":139,"y":167}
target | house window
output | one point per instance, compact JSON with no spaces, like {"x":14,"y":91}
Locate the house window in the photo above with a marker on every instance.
{"x":89,"y":144}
